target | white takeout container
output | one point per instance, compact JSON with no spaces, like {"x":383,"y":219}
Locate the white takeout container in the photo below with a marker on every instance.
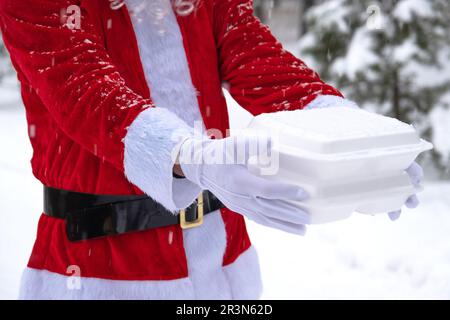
{"x":347,"y":159}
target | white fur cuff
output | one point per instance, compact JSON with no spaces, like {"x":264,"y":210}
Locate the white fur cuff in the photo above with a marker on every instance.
{"x":330,"y":101}
{"x":151,"y":145}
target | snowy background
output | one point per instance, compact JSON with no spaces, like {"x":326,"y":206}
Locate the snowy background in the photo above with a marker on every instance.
{"x":362,"y":257}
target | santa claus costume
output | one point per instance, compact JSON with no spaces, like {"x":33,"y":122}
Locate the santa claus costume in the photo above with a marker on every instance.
{"x":143,"y":67}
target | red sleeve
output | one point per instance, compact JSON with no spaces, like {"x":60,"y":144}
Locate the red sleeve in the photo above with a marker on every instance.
{"x":262,"y":76}
{"x":72,"y":74}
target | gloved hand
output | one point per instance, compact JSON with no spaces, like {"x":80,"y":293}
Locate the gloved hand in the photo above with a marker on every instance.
{"x":415,"y":173}
{"x":220,"y":167}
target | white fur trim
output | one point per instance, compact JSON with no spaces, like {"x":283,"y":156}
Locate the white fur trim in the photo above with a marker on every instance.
{"x":44,"y":285}
{"x":204,"y":249}
{"x":242,"y":279}
{"x":164,"y":58}
{"x":147,"y":162}
{"x":330,"y":101}
{"x":244,"y":276}
{"x":151,"y":145}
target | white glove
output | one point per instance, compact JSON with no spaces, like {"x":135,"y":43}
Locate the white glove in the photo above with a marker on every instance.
{"x":220,"y":167}
{"x":415,"y":173}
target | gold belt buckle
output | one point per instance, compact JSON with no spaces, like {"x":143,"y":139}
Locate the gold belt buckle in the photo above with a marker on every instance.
{"x":197,"y":222}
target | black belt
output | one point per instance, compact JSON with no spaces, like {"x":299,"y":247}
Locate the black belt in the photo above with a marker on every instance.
{"x":90,"y":216}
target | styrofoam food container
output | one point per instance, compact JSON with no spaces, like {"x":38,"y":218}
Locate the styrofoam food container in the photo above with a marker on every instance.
{"x":347,"y":159}
{"x":333,"y":143}
{"x":336,"y":200}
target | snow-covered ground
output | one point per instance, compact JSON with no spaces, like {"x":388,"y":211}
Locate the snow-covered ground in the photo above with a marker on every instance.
{"x":20,"y":194}
{"x":362,"y":257}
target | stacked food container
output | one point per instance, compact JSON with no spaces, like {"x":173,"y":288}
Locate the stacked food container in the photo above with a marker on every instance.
{"x":347,"y":159}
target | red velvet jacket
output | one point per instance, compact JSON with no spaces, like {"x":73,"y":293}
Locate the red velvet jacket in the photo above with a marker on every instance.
{"x":83,"y":88}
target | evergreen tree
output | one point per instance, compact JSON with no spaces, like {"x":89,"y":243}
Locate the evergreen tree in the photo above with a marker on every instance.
{"x":389,"y":56}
